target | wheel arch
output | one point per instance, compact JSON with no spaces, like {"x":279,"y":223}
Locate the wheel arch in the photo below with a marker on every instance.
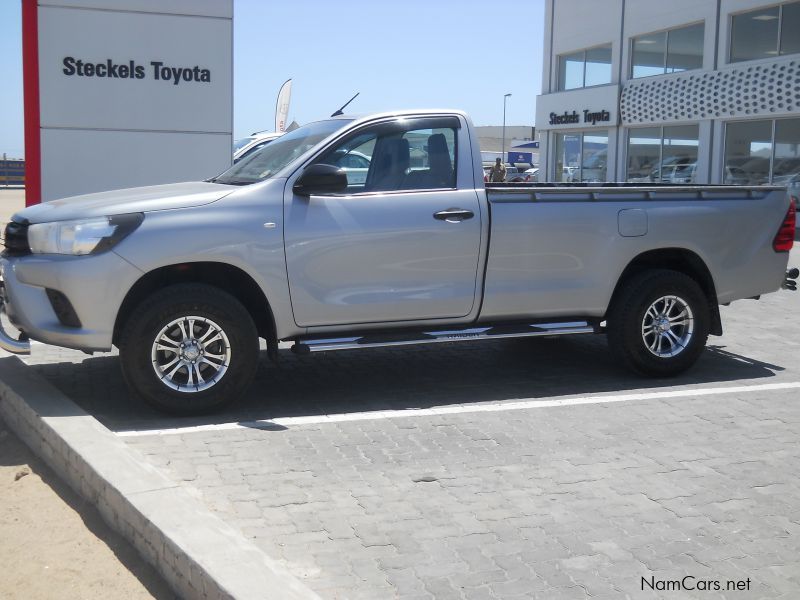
{"x":676,"y":259}
{"x":227,"y":277}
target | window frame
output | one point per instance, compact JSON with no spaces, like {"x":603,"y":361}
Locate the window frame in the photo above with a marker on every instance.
{"x":661,"y":128}
{"x":404,"y":124}
{"x":666,"y":32}
{"x":583,"y":51}
{"x":773,"y":127}
{"x":778,"y":37}
{"x":582,"y":133}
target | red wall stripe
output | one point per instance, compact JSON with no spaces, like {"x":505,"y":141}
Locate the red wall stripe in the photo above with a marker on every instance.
{"x":30,"y":89}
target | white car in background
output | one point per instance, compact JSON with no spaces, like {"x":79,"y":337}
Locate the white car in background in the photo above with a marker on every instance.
{"x":253,"y":142}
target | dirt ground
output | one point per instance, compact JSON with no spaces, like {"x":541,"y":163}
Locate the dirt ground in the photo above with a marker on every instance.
{"x":55,"y":546}
{"x":52,"y":543}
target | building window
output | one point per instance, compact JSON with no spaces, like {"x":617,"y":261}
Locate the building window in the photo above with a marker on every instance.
{"x":765,"y":33}
{"x":582,"y":156}
{"x":663,"y":154}
{"x":668,"y":51}
{"x":786,"y":164}
{"x":758,"y":152}
{"x":585,"y":68}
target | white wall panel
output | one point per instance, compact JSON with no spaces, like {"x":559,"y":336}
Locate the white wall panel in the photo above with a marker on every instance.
{"x":130,"y":103}
{"x":79,"y":162}
{"x":109,"y":132}
{"x":583,"y":23}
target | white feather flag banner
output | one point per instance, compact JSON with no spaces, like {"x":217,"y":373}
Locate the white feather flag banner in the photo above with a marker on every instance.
{"x":282,"y":106}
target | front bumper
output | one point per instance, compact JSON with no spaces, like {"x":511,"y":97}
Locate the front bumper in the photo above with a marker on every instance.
{"x":94,"y":285}
{"x":7,"y":342}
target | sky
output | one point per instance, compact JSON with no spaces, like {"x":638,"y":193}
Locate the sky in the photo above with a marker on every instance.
{"x":460,"y":54}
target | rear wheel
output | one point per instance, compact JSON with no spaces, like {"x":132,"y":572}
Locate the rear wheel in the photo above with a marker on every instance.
{"x":659,"y":324}
{"x":189,"y":349}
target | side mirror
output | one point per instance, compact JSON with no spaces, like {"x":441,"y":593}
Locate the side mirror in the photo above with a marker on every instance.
{"x":320,"y":179}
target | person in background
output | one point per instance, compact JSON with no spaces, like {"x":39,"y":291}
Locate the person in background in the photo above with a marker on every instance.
{"x":498,"y":172}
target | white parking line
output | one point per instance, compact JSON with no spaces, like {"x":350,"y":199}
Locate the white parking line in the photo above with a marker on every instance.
{"x":464,"y":409}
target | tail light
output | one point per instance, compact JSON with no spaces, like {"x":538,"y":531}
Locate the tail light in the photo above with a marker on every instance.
{"x":784,"y":239}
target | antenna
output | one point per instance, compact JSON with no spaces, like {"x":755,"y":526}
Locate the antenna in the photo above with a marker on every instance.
{"x":339,"y":112}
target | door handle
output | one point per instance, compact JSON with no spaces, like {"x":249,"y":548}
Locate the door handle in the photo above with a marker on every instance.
{"x":453,"y":215}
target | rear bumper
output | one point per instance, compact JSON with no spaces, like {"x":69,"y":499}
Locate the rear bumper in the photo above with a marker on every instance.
{"x":94,"y":285}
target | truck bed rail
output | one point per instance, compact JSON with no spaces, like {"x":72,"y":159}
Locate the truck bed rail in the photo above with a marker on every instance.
{"x":610,"y":192}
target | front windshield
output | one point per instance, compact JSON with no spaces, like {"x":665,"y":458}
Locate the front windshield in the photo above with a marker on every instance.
{"x":277,"y":154}
{"x":239,"y":144}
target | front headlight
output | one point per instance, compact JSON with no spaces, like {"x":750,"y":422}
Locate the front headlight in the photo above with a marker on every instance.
{"x":84,"y":236}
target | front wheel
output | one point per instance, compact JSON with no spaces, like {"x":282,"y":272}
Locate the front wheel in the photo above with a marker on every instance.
{"x":659,"y":324}
{"x":189,"y":349}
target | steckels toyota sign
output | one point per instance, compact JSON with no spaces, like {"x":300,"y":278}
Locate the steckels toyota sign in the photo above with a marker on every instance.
{"x":588,"y":108}
{"x":130,"y":92}
{"x":130,"y":70}
{"x":584,"y":116}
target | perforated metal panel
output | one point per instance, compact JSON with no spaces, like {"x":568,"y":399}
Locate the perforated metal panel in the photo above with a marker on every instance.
{"x":759,"y":90}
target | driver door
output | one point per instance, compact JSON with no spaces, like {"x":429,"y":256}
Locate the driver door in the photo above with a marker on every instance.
{"x":401,"y":243}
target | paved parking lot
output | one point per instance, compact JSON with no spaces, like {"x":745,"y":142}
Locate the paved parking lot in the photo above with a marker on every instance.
{"x":510,"y":469}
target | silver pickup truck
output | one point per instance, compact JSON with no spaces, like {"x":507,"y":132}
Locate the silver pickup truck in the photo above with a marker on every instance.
{"x":290,"y":245}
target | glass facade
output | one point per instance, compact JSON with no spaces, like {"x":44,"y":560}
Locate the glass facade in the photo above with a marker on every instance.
{"x":765,"y":33}
{"x":663,"y":154}
{"x":786,"y":164}
{"x":767,"y":151}
{"x":585,"y":68}
{"x":581,"y":156}
{"x":644,"y":155}
{"x":745,"y":116}
{"x":668,"y":51}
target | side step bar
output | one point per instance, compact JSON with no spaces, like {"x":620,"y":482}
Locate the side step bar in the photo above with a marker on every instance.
{"x":377,"y":340}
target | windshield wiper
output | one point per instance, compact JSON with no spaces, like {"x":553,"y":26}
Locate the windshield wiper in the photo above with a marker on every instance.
{"x":231,"y":181}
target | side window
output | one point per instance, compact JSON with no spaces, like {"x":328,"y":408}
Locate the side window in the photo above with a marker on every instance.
{"x":391,"y":157}
{"x":354,"y":156}
{"x":432,"y":159}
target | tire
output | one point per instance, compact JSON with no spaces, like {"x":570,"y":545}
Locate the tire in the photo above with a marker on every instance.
{"x":659,"y":323}
{"x":214,"y":366}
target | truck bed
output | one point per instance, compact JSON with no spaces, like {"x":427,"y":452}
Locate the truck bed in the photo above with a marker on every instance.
{"x":559,"y":250}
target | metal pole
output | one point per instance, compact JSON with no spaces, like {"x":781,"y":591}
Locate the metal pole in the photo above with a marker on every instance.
{"x":503,"y":146}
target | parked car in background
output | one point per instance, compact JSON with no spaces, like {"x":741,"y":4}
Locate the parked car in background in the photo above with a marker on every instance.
{"x":679,"y":172}
{"x":595,"y":167}
{"x":532,"y":174}
{"x":513,"y":174}
{"x":354,"y":164}
{"x":755,"y":169}
{"x":736,"y":176}
{"x":252,"y":143}
{"x":673,"y":169}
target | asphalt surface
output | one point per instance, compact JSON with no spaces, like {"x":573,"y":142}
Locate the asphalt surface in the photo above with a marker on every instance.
{"x":507,"y":469}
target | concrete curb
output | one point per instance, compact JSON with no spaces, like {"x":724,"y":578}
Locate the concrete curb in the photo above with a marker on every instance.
{"x":198,"y":554}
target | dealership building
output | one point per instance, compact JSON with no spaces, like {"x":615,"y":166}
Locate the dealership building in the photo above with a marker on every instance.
{"x":685,"y":91}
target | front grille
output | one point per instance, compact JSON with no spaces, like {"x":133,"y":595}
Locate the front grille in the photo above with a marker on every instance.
{"x":15,"y":239}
